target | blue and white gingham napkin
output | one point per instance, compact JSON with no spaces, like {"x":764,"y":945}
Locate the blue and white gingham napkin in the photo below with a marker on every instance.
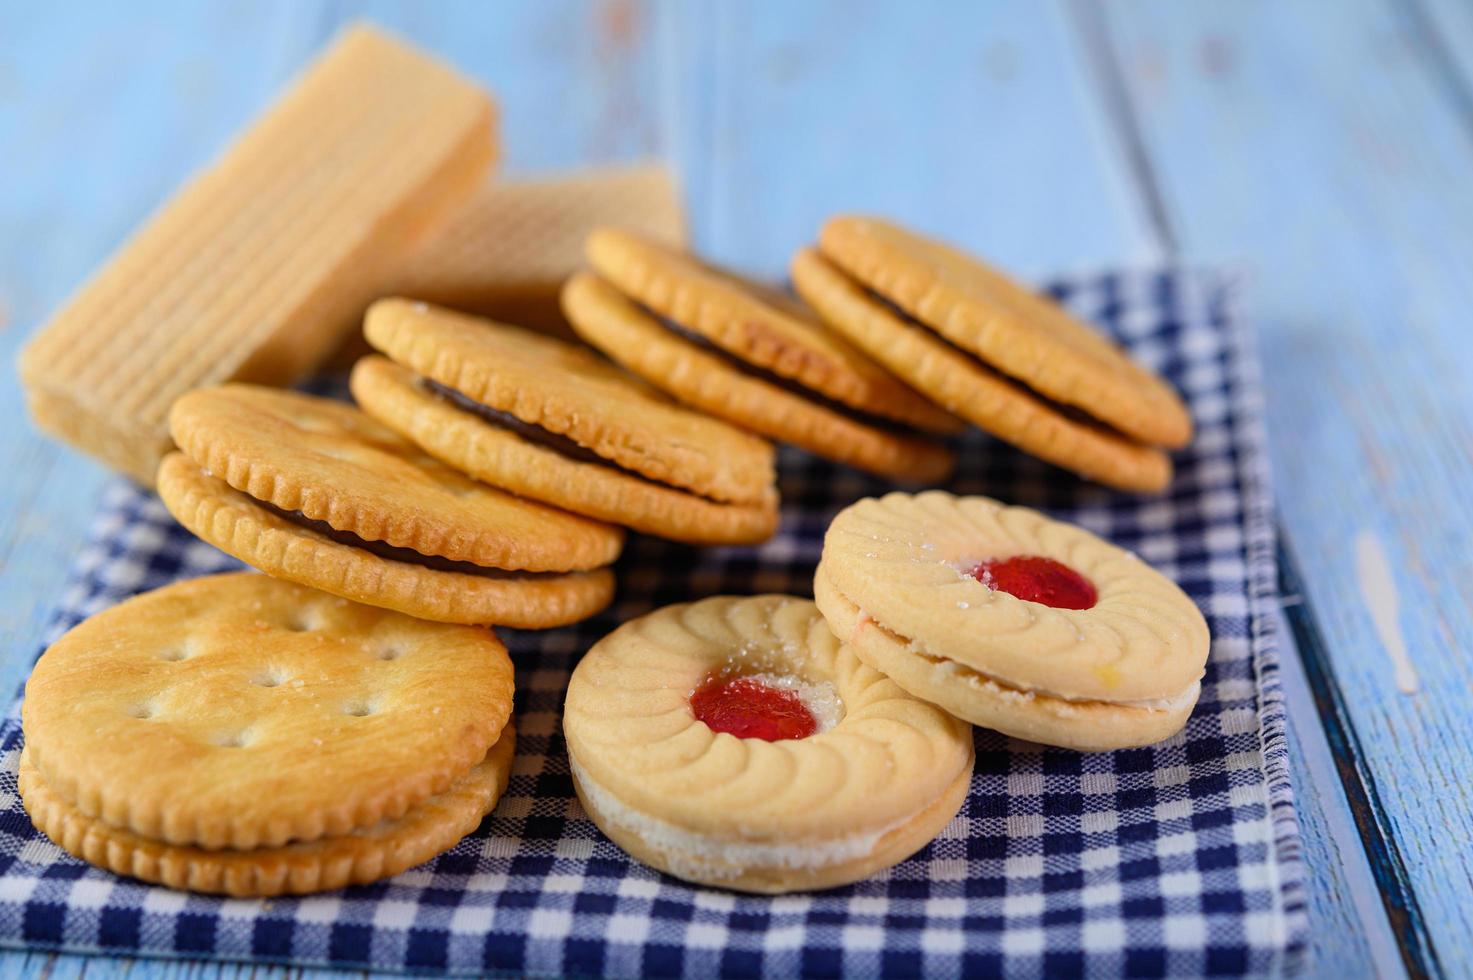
{"x":1179,"y":859}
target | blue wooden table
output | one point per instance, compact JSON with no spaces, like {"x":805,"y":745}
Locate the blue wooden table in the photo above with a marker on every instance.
{"x":1324,"y":148}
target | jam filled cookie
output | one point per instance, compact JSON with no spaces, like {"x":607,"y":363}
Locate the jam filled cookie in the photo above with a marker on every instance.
{"x":1013,"y":621}
{"x":315,"y":492}
{"x":1010,"y":361}
{"x":553,"y":421}
{"x":242,"y":713}
{"x":751,"y":356}
{"x":735,"y":742}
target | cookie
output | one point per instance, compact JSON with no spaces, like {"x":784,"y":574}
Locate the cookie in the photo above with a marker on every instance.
{"x":495,"y":454}
{"x":735,"y":742}
{"x":971,"y":389}
{"x":1013,"y":621}
{"x":505,"y":253}
{"x":446,"y":592}
{"x":428,"y":828}
{"x":1009,"y":327}
{"x":238,"y":711}
{"x":258,"y":269}
{"x":566,"y":398}
{"x":758,"y":326}
{"x":708,"y":381}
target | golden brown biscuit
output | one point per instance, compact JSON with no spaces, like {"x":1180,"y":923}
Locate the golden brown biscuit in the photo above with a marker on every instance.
{"x":285,"y":549}
{"x":703,"y":380}
{"x":1014,"y":621}
{"x":505,"y":253}
{"x":494,"y":454}
{"x":256,"y":270}
{"x":382,"y":850}
{"x":972,"y":390}
{"x":568,"y":391}
{"x":757,"y":325}
{"x":331,"y":463}
{"x":1008,"y":326}
{"x":734,"y":742}
{"x":240,"y":711}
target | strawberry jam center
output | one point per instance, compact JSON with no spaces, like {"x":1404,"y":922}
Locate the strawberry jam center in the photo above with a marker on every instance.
{"x":748,"y":708}
{"x":1038,"y":579}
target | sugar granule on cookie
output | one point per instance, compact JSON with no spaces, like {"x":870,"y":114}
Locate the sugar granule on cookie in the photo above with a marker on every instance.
{"x":735,"y":742}
{"x":241,"y":712}
{"x":1013,"y":621}
{"x":552,"y":421}
{"x":316,"y":492}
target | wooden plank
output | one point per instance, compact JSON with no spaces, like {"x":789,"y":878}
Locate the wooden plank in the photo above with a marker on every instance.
{"x":973,"y":123}
{"x":1318,"y":150}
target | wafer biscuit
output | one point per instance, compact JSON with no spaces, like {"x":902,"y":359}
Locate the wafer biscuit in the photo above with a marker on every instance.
{"x":256,"y":268}
{"x":506,"y":252}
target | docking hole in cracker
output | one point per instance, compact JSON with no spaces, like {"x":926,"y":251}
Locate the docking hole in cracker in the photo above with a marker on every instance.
{"x":736,"y":742}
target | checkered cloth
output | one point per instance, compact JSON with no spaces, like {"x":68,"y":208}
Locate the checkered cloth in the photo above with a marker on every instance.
{"x":1179,"y":859}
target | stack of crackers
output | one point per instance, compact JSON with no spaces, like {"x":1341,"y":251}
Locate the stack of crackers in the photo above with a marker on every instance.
{"x":353,"y":696}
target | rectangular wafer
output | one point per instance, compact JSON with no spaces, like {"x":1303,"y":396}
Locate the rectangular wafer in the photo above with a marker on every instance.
{"x":506,"y":254}
{"x":256,"y":270}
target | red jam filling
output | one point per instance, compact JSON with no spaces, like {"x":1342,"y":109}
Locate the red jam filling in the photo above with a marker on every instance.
{"x":747,"y":708}
{"x":1038,"y":579}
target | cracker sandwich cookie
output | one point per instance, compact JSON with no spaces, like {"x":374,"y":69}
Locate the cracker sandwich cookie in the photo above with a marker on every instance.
{"x":552,"y":421}
{"x":751,"y":356}
{"x":315,"y":492}
{"x":1010,"y":361}
{"x":735,"y":742}
{"x":242,"y":735}
{"x":1013,"y":621}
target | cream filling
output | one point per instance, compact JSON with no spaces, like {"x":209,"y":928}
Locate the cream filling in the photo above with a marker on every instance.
{"x":692,"y":855}
{"x":1175,"y":702}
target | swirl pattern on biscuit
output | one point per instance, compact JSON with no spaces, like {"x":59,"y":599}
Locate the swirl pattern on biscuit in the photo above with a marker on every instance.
{"x":906,"y":562}
{"x":631,"y":729}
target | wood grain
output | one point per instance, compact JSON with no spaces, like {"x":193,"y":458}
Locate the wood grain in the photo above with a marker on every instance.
{"x":1328,"y":152}
{"x":1325,"y":153}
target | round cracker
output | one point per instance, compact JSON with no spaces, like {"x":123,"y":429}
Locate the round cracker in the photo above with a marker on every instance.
{"x":391,"y":393}
{"x":1085,"y":726}
{"x":568,"y":390}
{"x":241,"y":711}
{"x":609,"y":321}
{"x":726,"y":810}
{"x":430,"y":827}
{"x":757,"y":325}
{"x":1010,"y":327}
{"x":333,"y":463}
{"x":239,"y":526}
{"x":973,"y":391}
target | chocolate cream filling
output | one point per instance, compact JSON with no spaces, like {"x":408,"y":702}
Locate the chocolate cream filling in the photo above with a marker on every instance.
{"x":1070,"y":412}
{"x":892,"y":426}
{"x":392,"y":552}
{"x":558,"y":443}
